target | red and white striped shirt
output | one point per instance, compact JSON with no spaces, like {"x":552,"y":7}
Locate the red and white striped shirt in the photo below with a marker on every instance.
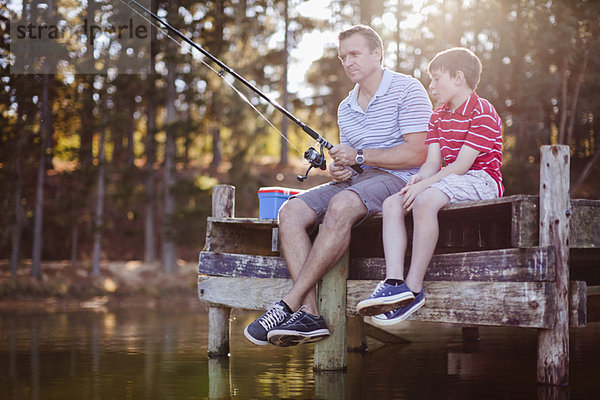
{"x":475,"y":124}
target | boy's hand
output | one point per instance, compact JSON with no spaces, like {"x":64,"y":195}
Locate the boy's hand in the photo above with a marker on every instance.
{"x":414,"y":179}
{"x":411,"y":191}
{"x":339,"y":172}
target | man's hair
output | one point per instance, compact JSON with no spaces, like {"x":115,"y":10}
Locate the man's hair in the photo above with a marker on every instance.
{"x":373,"y":39}
{"x":458,"y":59}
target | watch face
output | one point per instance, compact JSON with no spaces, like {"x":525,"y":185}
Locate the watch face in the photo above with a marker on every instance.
{"x":360,"y":159}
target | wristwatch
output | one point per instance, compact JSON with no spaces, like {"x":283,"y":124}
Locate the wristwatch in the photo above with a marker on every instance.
{"x":360,"y":158}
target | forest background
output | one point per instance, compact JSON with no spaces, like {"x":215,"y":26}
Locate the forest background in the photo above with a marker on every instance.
{"x":108,"y":166}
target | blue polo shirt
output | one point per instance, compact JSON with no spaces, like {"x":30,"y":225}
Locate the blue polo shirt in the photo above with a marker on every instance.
{"x":399,"y":106}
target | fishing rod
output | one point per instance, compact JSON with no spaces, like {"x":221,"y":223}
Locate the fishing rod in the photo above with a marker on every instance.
{"x":314,"y":157}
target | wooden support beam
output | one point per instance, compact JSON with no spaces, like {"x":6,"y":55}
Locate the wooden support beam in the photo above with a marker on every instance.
{"x":223,"y":205}
{"x":331,"y":354}
{"x":555,"y":212}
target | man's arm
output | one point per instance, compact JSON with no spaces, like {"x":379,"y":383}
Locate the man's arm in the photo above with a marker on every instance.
{"x":410,"y":154}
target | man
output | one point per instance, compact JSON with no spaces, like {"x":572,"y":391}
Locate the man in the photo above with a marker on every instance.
{"x":383,"y":124}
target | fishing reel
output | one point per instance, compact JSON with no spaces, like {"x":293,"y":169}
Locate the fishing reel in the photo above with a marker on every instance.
{"x":316,"y":160}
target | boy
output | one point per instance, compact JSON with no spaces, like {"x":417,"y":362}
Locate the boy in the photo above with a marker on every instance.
{"x":465,"y":133}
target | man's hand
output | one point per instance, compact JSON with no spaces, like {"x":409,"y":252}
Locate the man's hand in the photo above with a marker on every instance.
{"x":343,"y":154}
{"x":339,"y":172}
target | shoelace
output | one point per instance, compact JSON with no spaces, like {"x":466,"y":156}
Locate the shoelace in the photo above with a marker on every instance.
{"x":296,"y":315}
{"x":379,"y":288}
{"x":272,"y":317}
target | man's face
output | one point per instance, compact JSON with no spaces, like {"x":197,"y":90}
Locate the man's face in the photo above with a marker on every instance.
{"x":358,"y":59}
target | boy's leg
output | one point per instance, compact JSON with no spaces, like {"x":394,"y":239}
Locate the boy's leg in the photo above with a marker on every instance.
{"x":394,"y":236}
{"x":391,"y":293}
{"x":425,"y":234}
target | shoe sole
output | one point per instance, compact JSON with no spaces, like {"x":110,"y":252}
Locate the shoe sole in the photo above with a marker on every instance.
{"x":253,"y":339}
{"x":388,"y":323}
{"x":285,"y":338}
{"x":381,"y":305}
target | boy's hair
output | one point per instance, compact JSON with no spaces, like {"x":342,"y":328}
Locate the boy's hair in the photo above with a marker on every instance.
{"x":373,"y":39}
{"x":458,"y":59}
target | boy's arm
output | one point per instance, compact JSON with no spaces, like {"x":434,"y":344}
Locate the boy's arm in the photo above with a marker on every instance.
{"x":460,"y":166}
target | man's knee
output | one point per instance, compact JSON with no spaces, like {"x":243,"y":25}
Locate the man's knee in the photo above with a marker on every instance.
{"x":295,"y":212}
{"x":346,"y":204}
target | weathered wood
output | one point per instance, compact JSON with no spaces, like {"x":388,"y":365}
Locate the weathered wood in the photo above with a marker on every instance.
{"x":242,"y":265}
{"x":223,"y":201}
{"x":555,"y":210}
{"x":223,"y":205}
{"x":331,"y":353}
{"x":227,"y":236}
{"x":519,"y":265}
{"x":258,"y":293}
{"x":578,"y":304}
{"x":357,"y":341}
{"x":521,"y":304}
{"x":218,"y":332}
{"x":480,"y":303}
{"x":584,"y":229}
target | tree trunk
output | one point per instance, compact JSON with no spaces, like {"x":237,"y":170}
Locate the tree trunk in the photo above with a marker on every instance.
{"x":283,"y":159}
{"x":99,"y":215}
{"x":169,"y":256}
{"x":46,"y":135}
{"x":17,"y":231}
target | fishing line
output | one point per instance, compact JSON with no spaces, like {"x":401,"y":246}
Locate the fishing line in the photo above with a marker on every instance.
{"x":165,"y":31}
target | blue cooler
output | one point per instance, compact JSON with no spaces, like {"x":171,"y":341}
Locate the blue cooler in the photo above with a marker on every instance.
{"x":271,"y":198}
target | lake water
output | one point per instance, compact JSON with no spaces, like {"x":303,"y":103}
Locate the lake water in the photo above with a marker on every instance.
{"x":145,"y":354}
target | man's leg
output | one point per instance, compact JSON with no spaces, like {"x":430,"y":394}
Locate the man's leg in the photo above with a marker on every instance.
{"x":345,"y":209}
{"x":295,"y":216}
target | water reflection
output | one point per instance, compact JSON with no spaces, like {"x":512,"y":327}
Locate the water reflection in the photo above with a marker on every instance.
{"x":157,"y":355}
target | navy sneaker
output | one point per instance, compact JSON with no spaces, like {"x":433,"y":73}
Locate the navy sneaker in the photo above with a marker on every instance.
{"x":256,"y":332}
{"x":301,"y":327}
{"x":385,"y":298}
{"x":391,"y":318}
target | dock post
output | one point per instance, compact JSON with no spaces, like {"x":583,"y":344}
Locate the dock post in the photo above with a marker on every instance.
{"x":331,"y":354}
{"x":555,"y":212}
{"x":223,"y":205}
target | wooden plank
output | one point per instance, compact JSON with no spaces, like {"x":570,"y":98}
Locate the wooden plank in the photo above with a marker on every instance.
{"x":245,"y":293}
{"x":555,"y":210}
{"x":240,"y":238}
{"x":474,"y":303}
{"x":519,"y":265}
{"x":578,"y":304}
{"x":585,"y":224}
{"x":525,"y":223}
{"x":519,"y":304}
{"x":236,"y":265}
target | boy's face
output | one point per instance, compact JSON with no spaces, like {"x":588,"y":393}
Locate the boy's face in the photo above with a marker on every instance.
{"x":443,"y":86}
{"x":358,"y":59}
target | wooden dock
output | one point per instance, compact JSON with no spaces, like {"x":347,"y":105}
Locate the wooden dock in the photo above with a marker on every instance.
{"x":520,"y":261}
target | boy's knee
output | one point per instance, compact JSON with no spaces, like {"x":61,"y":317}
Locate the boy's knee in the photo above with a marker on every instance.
{"x":392,"y":204}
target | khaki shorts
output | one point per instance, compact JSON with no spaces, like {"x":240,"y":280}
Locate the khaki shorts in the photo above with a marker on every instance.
{"x":474,"y":185}
{"x":373,"y":186}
